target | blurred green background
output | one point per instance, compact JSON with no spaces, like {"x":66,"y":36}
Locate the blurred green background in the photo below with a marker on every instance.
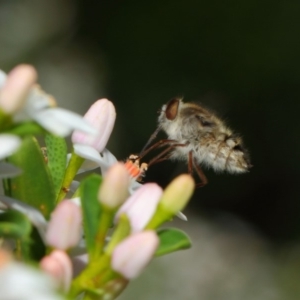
{"x":241,"y":59}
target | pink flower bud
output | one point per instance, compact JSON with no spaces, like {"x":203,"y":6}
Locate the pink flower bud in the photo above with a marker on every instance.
{"x":59,"y":266}
{"x":114,"y":189}
{"x":141,"y":206}
{"x":131,"y":256}
{"x":64,"y":229}
{"x":101,"y":116}
{"x":16,"y":88}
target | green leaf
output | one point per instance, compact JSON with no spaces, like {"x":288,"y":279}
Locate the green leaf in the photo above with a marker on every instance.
{"x":26,"y":128}
{"x":34,"y":186}
{"x":57,"y":159}
{"x":14,"y":224}
{"x":172,"y":239}
{"x":91,"y":209}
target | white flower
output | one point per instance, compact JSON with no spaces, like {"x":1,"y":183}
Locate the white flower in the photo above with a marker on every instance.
{"x":105,"y":160}
{"x":24,"y":100}
{"x":9,"y":144}
{"x":19,"y":281}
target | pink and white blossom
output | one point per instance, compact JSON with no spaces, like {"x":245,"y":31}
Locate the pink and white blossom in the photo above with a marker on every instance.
{"x":58,"y":265}
{"x":141,"y":206}
{"x":114,"y":188}
{"x":20,"y":281}
{"x":16,"y":88}
{"x":101,"y":115}
{"x":64,"y":229}
{"x":132,"y":255}
{"x":25,"y":101}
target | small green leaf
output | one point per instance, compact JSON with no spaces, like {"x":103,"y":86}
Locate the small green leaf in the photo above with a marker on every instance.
{"x":34,"y":186}
{"x":26,"y":128}
{"x":91,"y":209}
{"x":14,"y":224}
{"x":57,"y":159}
{"x":172,"y":239}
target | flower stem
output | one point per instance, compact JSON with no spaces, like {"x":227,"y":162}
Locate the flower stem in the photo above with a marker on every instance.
{"x":73,"y":166}
{"x":103,"y":226}
{"x":122,"y":231}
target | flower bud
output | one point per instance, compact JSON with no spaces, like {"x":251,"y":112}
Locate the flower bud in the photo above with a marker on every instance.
{"x":64,"y":229}
{"x":59,"y":266}
{"x":114,"y":188}
{"x":101,"y":116}
{"x":178,"y":193}
{"x":16,"y":88}
{"x":141,"y":206}
{"x":132,"y":255}
{"x":173,"y":200}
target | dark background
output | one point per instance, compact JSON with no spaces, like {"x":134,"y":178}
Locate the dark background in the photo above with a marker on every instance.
{"x":239,"y":58}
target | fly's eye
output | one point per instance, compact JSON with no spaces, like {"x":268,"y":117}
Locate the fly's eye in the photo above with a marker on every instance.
{"x":172,"y":109}
{"x":204,"y":122}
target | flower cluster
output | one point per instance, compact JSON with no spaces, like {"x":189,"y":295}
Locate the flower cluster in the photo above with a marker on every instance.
{"x":93,"y":236}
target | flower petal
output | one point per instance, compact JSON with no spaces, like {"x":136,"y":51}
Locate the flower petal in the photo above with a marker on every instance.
{"x":134,"y":186}
{"x":107,"y":159}
{"x":8,"y":170}
{"x":87,"y":165}
{"x":19,"y":281}
{"x":9,"y":144}
{"x":37,"y":100}
{"x":62,"y":122}
{"x":3,"y":78}
{"x":35,"y":217}
{"x":87,"y":152}
{"x":182,"y":216}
